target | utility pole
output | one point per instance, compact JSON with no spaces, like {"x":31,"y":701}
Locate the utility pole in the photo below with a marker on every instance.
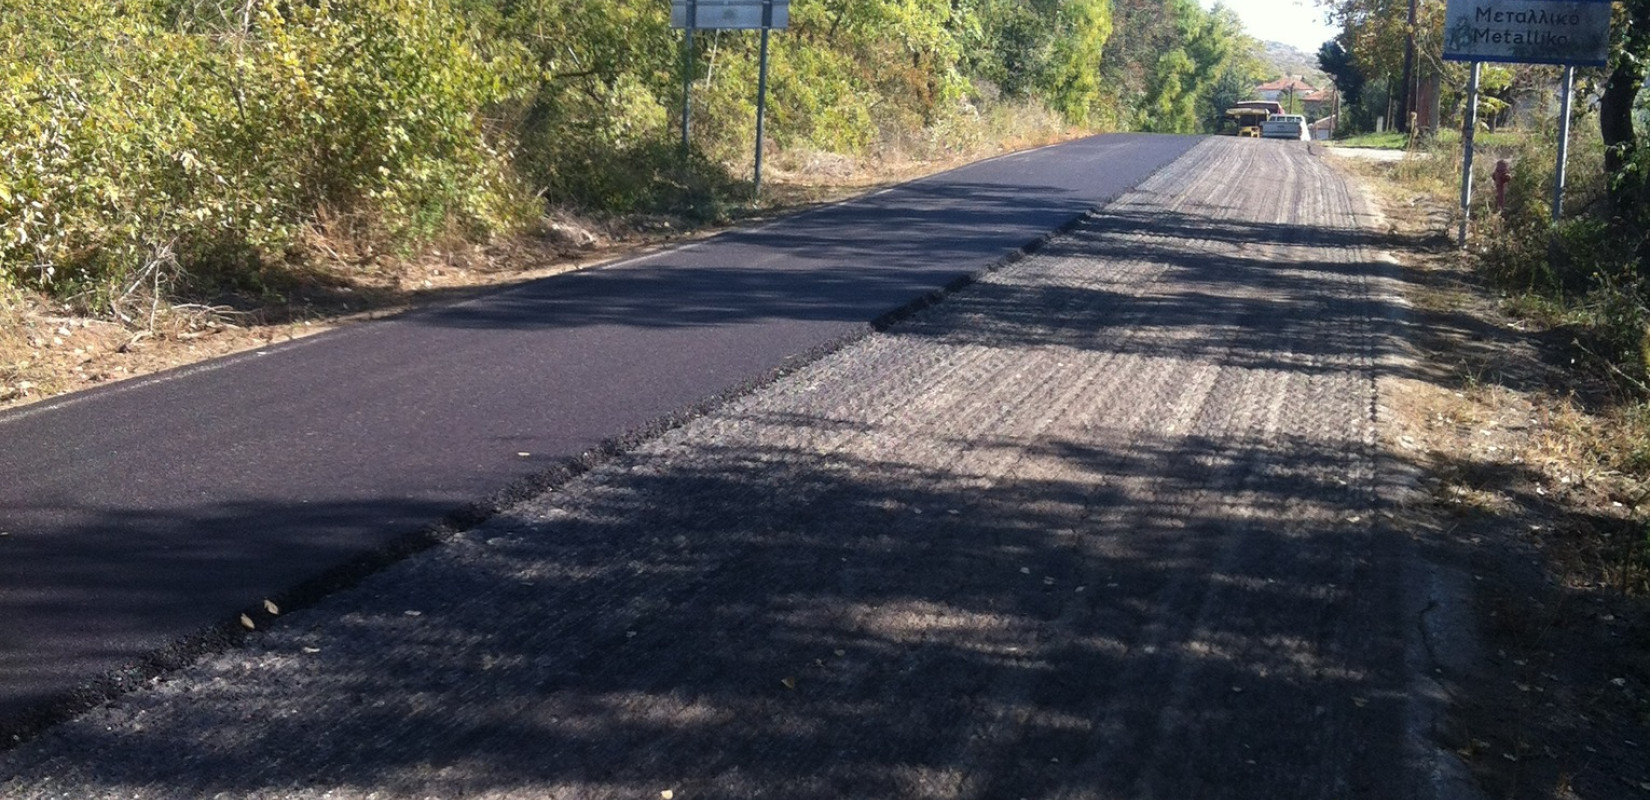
{"x":1409,"y":70}
{"x":1335,"y":123}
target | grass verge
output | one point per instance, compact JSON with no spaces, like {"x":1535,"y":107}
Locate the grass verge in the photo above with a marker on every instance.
{"x":1533,"y":485}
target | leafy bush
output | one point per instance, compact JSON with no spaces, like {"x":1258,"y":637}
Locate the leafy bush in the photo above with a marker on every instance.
{"x":154,"y":146}
{"x":1581,"y":265}
{"x":137,"y":141}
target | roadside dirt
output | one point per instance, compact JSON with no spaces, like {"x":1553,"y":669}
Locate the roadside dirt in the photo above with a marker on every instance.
{"x":1513,"y":494}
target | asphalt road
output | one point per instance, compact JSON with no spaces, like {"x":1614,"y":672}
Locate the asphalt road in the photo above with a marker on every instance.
{"x":1105,"y":524}
{"x":155,"y":509}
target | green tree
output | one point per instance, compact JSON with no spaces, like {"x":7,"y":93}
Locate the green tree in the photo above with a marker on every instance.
{"x":1232,"y":87}
{"x":1624,"y":158}
{"x":1195,"y":48}
{"x":1045,"y":49}
{"x":1338,"y":64}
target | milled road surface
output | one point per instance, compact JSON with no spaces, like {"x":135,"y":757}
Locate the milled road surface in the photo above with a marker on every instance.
{"x":149,"y":510}
{"x":1102,"y":525}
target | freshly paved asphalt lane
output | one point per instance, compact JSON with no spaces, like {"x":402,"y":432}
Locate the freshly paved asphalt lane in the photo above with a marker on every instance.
{"x":149,"y":510}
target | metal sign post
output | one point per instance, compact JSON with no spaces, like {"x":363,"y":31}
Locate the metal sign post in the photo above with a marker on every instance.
{"x":690,"y":24}
{"x":761,"y":110}
{"x":1569,"y":33}
{"x":763,"y":15}
{"x":1469,"y":131}
{"x":1568,"y":88}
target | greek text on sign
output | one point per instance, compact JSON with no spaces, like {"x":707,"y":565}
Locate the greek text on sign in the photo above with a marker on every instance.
{"x":1571,"y":32}
{"x":730,"y":14}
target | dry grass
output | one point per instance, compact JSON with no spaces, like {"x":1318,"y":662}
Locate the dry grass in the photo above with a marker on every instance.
{"x":1508,"y":407}
{"x":1533,"y":481}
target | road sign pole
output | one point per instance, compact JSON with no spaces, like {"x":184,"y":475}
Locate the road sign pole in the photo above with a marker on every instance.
{"x":726,"y":15}
{"x":761,"y":102}
{"x":1563,"y":141}
{"x":687,"y":70}
{"x":1469,"y":129}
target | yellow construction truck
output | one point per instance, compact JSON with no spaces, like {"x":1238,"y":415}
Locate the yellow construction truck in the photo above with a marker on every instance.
{"x":1245,"y":118}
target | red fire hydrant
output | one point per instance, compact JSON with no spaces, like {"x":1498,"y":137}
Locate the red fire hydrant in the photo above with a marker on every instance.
{"x":1502,"y":176}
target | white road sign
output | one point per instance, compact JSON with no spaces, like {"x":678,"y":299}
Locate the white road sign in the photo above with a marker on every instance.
{"x":1569,"y":32}
{"x":730,"y":14}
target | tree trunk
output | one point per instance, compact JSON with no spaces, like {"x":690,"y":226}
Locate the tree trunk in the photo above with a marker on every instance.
{"x":1615,"y":118}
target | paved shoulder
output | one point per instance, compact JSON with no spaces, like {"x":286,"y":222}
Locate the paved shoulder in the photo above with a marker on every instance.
{"x":1097,"y":526}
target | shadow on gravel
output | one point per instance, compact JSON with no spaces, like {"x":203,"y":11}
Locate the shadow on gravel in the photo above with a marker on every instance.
{"x":1553,"y":704}
{"x":753,"y":620}
{"x":1204,"y":225}
{"x":1280,"y":308}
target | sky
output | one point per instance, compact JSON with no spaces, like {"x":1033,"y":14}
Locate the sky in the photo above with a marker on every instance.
{"x":1293,"y":22}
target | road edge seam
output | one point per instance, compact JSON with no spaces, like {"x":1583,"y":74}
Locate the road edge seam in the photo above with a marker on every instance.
{"x":1427,"y":587}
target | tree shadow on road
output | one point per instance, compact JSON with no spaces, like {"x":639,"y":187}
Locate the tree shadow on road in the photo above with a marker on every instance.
{"x":754,"y":619}
{"x":899,"y":246}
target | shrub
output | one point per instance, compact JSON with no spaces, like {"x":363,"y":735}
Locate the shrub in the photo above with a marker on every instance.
{"x":1581,"y":265}
{"x":137,"y":140}
{"x":156,"y":146}
{"x":1524,"y":251}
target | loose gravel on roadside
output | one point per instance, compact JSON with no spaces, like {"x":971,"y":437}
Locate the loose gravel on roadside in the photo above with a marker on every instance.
{"x":1103,"y":524}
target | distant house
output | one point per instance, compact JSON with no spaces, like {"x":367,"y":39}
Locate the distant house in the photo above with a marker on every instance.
{"x":1324,"y":128}
{"x":1288,"y":90}
{"x":1320,"y":103}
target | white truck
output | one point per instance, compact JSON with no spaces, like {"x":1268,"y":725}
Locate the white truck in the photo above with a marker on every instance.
{"x":1285,"y":126}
